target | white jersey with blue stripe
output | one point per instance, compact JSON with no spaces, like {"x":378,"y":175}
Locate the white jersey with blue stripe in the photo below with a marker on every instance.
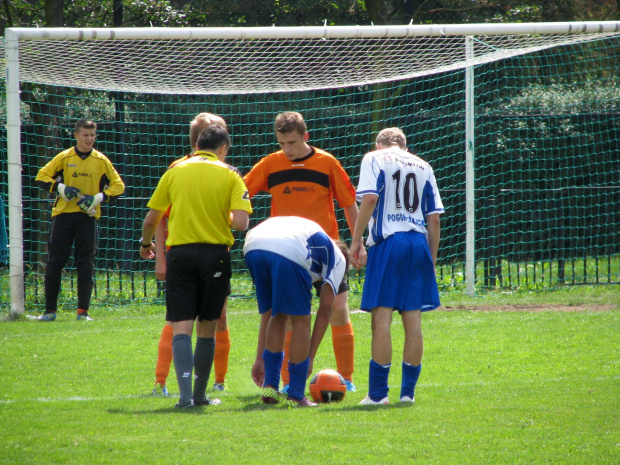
{"x":407,"y":192}
{"x":303,"y":242}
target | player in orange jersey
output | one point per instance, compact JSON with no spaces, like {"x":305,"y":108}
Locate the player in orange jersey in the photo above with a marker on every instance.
{"x":304,"y":181}
{"x":222,"y":338}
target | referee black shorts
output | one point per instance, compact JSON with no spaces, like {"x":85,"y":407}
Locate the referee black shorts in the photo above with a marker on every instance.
{"x":197,"y":281}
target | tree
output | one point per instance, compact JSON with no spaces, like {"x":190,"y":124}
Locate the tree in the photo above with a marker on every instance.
{"x":146,"y":13}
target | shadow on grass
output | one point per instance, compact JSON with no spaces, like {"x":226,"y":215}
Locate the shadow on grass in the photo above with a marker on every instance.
{"x":172,"y":410}
{"x":253,"y":403}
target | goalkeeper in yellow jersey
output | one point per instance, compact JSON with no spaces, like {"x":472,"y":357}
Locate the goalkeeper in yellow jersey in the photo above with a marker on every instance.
{"x":82,"y":178}
{"x":222,"y":339}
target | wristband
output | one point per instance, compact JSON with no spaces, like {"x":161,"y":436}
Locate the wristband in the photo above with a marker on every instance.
{"x":145,"y":246}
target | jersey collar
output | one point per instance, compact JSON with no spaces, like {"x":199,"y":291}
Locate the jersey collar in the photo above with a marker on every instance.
{"x":82,"y":155}
{"x":304,"y":158}
{"x":205,"y":154}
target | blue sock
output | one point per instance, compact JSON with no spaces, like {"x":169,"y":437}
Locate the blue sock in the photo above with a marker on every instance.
{"x":378,"y":380}
{"x":298,"y":374}
{"x":273,"y":365}
{"x":410,"y":379}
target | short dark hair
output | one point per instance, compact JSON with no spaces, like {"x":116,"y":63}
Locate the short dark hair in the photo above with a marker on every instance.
{"x":85,"y":124}
{"x":213,"y":137}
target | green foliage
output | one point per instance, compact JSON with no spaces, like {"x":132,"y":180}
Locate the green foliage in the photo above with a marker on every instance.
{"x":495,"y":388}
{"x":145,"y":13}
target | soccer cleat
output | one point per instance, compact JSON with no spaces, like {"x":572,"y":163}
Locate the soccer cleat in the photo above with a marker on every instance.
{"x":305,"y":402}
{"x":284,"y":390}
{"x":271,"y":395}
{"x":218,"y":387}
{"x":368,"y":401}
{"x":407,"y":399}
{"x":185,"y":406}
{"x":207,"y":401}
{"x":350,"y":386}
{"x":84,"y":316}
{"x":160,"y":390}
{"x":51,"y":316}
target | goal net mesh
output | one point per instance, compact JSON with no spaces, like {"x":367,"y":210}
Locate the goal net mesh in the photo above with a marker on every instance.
{"x":547,"y":125}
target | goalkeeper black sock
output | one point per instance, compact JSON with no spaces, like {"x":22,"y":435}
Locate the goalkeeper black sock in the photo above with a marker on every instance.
{"x":203,"y":360}
{"x":183,"y":364}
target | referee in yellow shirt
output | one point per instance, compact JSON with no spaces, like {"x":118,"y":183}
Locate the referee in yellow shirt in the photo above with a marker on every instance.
{"x":206,"y":198}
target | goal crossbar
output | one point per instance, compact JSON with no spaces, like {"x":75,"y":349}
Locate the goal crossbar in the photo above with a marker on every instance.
{"x":312,"y":32}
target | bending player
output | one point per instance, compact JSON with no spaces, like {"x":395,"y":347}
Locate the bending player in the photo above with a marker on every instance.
{"x":304,"y":181}
{"x":222,"y":337}
{"x":285,"y":256}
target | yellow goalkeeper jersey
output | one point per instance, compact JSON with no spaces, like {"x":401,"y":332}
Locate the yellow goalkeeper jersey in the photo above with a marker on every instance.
{"x":90,"y":175}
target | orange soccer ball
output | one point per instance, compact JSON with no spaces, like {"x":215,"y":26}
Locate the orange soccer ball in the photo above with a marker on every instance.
{"x":327,"y":386}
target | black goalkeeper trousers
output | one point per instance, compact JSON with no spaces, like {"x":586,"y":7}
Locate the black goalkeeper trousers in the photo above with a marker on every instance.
{"x":66,"y":231}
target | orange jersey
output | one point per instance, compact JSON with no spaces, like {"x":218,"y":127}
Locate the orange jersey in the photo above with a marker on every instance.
{"x":304,"y":187}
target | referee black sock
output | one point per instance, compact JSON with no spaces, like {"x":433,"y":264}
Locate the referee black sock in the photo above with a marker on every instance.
{"x":183,"y":364}
{"x":203,"y":360}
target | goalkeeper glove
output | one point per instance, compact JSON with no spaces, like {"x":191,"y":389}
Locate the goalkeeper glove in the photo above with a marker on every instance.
{"x":67,"y":193}
{"x":88,"y":203}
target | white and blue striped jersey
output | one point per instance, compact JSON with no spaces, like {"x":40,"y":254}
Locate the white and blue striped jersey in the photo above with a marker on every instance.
{"x":303,"y":242}
{"x":407,"y":192}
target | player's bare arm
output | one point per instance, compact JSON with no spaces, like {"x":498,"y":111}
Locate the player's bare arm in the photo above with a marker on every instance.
{"x":321,"y":321}
{"x":239,"y":220}
{"x":351,"y":214}
{"x":357,"y":253}
{"x":433,"y":234}
{"x":147,"y":247}
{"x":258,"y":369}
{"x":160,"y":256}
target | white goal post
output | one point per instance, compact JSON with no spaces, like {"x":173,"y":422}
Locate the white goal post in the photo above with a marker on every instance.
{"x":216,"y":61}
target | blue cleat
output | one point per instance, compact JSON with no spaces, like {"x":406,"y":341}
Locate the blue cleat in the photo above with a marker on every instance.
{"x":218,"y":387}
{"x":51,"y":316}
{"x":160,"y":390}
{"x":350,"y":386}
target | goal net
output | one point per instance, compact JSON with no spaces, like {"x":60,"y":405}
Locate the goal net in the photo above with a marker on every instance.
{"x":519,"y":121}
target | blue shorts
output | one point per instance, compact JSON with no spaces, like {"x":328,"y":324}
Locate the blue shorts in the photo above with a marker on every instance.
{"x":281,"y":285}
{"x":400,"y":274}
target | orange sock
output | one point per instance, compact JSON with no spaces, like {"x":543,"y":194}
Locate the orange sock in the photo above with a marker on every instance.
{"x":164,"y":356}
{"x":80,"y":311}
{"x":284,"y":370}
{"x":222,"y":349}
{"x":344,"y":349}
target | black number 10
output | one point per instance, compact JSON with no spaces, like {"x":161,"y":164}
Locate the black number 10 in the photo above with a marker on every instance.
{"x":410,"y":191}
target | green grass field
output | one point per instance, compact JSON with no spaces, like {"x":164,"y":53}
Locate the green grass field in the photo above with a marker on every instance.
{"x":540,"y":384}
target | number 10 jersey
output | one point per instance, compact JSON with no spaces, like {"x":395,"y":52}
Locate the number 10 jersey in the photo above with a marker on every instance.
{"x":407,"y":192}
